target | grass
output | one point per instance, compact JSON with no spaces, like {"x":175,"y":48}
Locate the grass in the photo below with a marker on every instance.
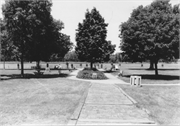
{"x":16,"y":74}
{"x":52,"y":99}
{"x":87,"y":74}
{"x":169,"y":74}
{"x":39,"y":101}
{"x":163,"y":102}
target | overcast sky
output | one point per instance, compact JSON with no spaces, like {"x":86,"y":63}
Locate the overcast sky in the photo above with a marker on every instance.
{"x":71,"y":12}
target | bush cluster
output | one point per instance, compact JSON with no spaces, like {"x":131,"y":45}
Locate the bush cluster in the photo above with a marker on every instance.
{"x":86,"y":73}
{"x":91,"y":69}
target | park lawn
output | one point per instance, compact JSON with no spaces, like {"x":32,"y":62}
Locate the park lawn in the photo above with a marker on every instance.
{"x":14,"y":74}
{"x":39,"y":101}
{"x":163,"y":102}
{"x":166,"y":76}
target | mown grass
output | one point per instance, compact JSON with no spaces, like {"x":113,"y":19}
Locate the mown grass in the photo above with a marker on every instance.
{"x":39,"y":101}
{"x":28,"y":74}
{"x":163,"y":102}
{"x":168,"y":74}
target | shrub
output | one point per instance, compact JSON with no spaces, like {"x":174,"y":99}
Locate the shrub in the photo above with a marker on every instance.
{"x":87,"y":68}
{"x":86,"y":73}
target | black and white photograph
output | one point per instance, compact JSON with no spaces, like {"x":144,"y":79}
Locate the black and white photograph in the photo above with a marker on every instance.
{"x":89,"y":62}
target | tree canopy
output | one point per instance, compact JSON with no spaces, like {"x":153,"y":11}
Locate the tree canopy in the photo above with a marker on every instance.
{"x":63,"y":45}
{"x":7,"y":50}
{"x":71,"y":56}
{"x":152,"y":32}
{"x":33,"y":30}
{"x":92,"y":45}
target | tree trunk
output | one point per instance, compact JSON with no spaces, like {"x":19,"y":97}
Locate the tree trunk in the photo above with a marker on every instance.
{"x":38,"y":66}
{"x":156,"y":68}
{"x":91,"y":65}
{"x":4,"y":61}
{"x":4,"y":65}
{"x":151,"y":67}
{"x":22,"y":64}
{"x":22,"y":58}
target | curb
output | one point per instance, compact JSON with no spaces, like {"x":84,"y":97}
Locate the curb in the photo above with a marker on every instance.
{"x":75,"y":116}
{"x":160,"y":84}
{"x":135,"y":102}
{"x":124,"y":93}
{"x":115,"y":122}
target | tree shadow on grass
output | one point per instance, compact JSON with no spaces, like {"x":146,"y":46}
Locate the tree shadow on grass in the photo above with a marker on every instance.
{"x":156,"y":77}
{"x":108,"y":71}
{"x":29,"y":76}
{"x":153,"y":69}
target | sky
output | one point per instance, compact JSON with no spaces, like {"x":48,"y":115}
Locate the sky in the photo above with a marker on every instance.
{"x":72,"y":12}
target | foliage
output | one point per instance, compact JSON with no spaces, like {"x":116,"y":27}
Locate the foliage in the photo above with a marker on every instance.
{"x":88,"y":68}
{"x":21,"y":18}
{"x":118,"y":57}
{"x":71,"y":56}
{"x":63,"y":45}
{"x":115,"y":58}
{"x":87,"y":74}
{"x":92,"y":45}
{"x":112,"y":59}
{"x":151,"y":33}
{"x":8,"y":50}
{"x":33,"y":30}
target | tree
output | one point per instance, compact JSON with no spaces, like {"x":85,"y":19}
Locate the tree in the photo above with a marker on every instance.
{"x":151,"y":33}
{"x":7,"y":50}
{"x":115,"y":58}
{"x":71,"y":56}
{"x":118,"y":57}
{"x":92,"y":45}
{"x":51,"y":45}
{"x":34,"y":31}
{"x":43,"y":33}
{"x":63,"y":46}
{"x":16,"y":14}
{"x":112,"y":58}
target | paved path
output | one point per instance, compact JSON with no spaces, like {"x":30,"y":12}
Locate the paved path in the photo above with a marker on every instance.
{"x":107,"y":104}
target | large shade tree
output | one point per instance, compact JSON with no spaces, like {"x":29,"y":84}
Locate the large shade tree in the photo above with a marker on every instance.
{"x":41,"y":32}
{"x":8,"y":52}
{"x":63,"y":45}
{"x":25,"y":20}
{"x":33,"y":30}
{"x":92,"y":45}
{"x":152,"y":33}
{"x":50,"y":44}
{"x":15,"y":15}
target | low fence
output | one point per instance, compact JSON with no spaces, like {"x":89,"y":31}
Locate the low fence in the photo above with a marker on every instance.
{"x":123,"y":65}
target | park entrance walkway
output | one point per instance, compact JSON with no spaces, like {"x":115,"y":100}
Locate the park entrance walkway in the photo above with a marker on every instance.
{"x":107,"y":104}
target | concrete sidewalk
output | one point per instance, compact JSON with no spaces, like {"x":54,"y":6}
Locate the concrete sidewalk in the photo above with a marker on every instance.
{"x":107,"y":104}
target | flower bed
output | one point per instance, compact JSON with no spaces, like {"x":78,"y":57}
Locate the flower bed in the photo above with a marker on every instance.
{"x":88,"y":73}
